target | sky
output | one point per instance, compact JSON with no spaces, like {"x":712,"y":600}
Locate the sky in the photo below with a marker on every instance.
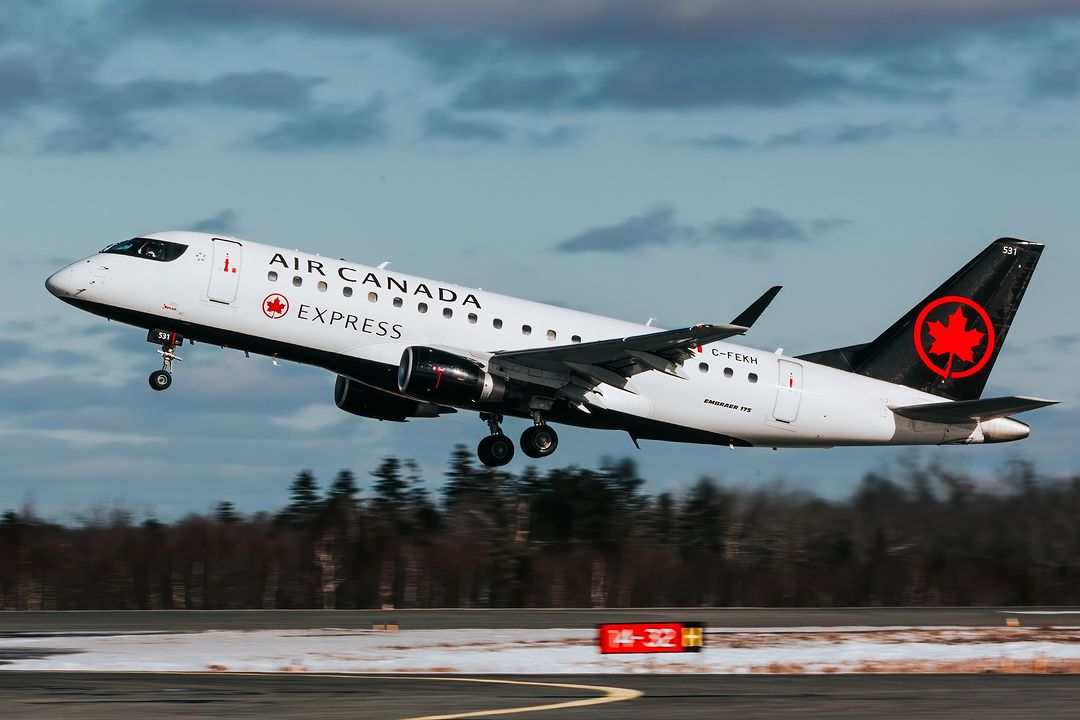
{"x":625,"y":157}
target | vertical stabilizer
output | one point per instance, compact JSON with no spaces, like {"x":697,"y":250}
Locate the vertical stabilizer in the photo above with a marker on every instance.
{"x":948,"y":343}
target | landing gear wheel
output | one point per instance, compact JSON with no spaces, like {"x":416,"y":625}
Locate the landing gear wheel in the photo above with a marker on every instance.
{"x":495,"y":450}
{"x":539,"y":441}
{"x":160,"y":379}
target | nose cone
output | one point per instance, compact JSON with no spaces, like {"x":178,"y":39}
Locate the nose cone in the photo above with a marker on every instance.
{"x":66,"y":283}
{"x":62,"y":283}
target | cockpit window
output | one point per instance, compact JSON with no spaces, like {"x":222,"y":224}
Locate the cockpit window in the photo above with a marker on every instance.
{"x":149,"y":248}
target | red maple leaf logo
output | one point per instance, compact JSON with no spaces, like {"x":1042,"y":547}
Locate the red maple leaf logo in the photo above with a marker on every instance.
{"x":275,"y":306}
{"x":954,"y":337}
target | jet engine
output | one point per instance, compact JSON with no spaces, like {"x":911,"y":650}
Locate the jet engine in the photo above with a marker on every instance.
{"x":359,"y":399}
{"x":439,"y":376}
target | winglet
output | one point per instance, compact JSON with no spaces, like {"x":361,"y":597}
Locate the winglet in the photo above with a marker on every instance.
{"x":750,"y":315}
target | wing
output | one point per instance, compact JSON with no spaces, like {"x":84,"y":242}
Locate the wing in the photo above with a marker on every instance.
{"x":573,"y":370}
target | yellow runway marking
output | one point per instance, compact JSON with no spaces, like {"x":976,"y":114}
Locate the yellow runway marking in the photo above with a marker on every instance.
{"x":611,"y":695}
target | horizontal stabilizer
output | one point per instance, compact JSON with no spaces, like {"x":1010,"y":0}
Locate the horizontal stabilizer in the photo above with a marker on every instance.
{"x":966,"y":411}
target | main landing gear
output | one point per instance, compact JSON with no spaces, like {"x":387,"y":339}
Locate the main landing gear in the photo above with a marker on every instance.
{"x":496,"y":449}
{"x":162,"y":379}
{"x":540,"y":440}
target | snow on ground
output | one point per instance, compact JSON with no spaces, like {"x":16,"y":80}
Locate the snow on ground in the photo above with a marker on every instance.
{"x":777,"y":650}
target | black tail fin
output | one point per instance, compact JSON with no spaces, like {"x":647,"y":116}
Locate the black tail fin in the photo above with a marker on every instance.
{"x":947,"y":344}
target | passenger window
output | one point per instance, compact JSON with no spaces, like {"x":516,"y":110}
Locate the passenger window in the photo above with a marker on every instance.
{"x":322,"y":286}
{"x":497,"y":324}
{"x":373,"y":297}
{"x":472,"y":318}
{"x":447,"y":313}
{"x":551,"y":334}
{"x":397,"y":302}
{"x":271,"y":276}
{"x":297,"y":281}
{"x":703,"y":367}
{"x":346,"y":291}
{"x":728,"y":372}
{"x":575,"y":338}
{"x":526,"y":330}
{"x":752,"y":377}
{"x":421,"y":308}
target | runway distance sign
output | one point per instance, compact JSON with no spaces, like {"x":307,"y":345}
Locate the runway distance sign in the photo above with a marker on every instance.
{"x":671,"y":637}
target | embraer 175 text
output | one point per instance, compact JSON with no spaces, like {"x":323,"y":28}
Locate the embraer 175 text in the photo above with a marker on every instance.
{"x":409,"y":347}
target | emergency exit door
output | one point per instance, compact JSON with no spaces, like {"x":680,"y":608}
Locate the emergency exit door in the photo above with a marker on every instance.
{"x":225,"y":271}
{"x":788,"y":392}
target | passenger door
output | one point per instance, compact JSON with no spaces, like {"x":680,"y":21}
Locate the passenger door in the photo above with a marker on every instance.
{"x":225,"y":271}
{"x":788,"y":392}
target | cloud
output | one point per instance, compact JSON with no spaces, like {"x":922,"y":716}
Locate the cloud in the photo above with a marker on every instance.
{"x":823,"y":136}
{"x":222,"y":222}
{"x":1057,"y":76}
{"x":644,"y":55}
{"x":312,"y":418}
{"x":81,"y":437}
{"x":1064,"y":343}
{"x":258,"y":90}
{"x":98,"y":134}
{"x":682,"y":79}
{"x":620,"y":23}
{"x":328,"y":128}
{"x":758,"y":228}
{"x":501,"y":90}
{"x":738,"y":79}
{"x":102,"y":113}
{"x":716,"y":141}
{"x":69,"y":439}
{"x":16,"y":352}
{"x":833,"y":135}
{"x":56,"y":67}
{"x":555,"y":137}
{"x":442,"y":125}
{"x":263,"y":89}
{"x":13,"y":351}
{"x":20,"y":84}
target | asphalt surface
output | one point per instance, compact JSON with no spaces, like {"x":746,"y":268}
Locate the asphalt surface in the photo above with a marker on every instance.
{"x":116,"y":696}
{"x":197,"y":620}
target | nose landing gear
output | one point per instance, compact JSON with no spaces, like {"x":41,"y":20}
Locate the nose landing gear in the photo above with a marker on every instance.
{"x":162,"y":379}
{"x":496,"y":449}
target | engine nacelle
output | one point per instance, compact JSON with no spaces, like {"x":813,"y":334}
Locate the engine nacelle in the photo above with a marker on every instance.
{"x":439,"y":376}
{"x":359,"y":399}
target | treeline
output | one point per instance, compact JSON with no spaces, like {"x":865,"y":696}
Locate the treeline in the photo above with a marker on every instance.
{"x":917,"y":535}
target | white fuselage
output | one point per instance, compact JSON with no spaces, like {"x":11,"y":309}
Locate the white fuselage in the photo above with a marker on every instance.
{"x":346,"y":311}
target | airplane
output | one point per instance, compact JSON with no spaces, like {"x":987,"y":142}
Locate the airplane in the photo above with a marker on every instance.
{"x":407,"y":347}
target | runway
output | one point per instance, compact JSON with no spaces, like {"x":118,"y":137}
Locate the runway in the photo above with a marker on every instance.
{"x":689,"y":693}
{"x":118,"y":696}
{"x":199,"y":620}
